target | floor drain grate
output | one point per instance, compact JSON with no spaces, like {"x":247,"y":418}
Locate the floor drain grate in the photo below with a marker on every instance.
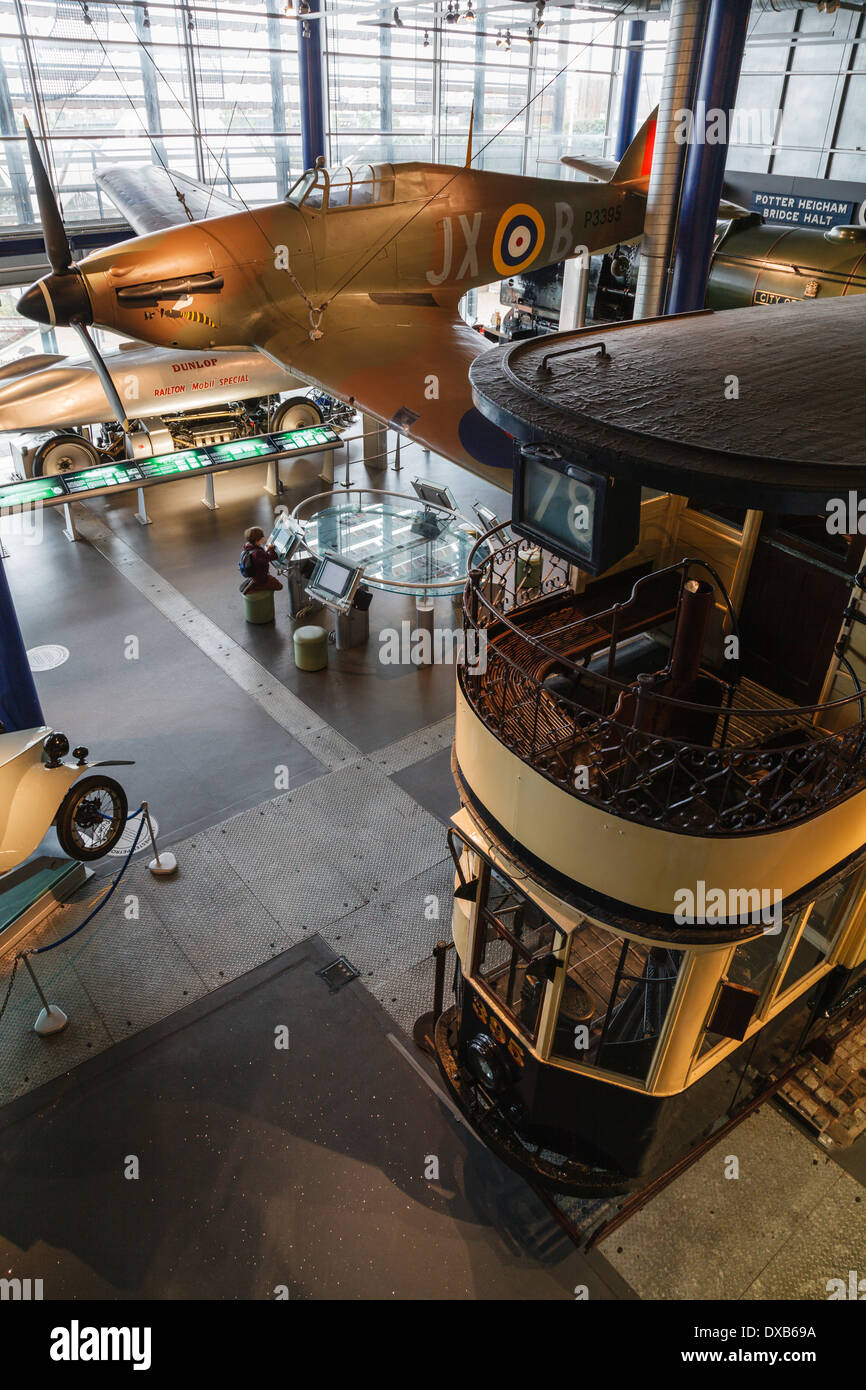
{"x":338,"y":973}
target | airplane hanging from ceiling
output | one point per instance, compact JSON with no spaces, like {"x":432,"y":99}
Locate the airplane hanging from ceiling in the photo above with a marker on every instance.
{"x":352,"y":282}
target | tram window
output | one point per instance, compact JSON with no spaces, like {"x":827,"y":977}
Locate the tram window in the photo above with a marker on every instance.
{"x":731,"y":516}
{"x":513,"y":940}
{"x":819,"y":935}
{"x":615,"y":999}
{"x":757,"y":963}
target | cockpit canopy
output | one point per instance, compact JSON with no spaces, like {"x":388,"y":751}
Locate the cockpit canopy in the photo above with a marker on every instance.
{"x":330,"y":191}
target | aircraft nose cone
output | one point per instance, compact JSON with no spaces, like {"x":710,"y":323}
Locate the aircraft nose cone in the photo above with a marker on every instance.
{"x":58,"y":299}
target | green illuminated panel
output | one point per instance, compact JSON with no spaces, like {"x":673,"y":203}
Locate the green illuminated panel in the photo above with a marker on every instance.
{"x":237,"y":450}
{"x":34,"y":490}
{"x":304,"y":439}
{"x":172,"y":465}
{"x":109,"y":475}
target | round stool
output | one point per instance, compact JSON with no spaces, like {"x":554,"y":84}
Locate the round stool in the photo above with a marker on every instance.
{"x":528,"y":568}
{"x":259,"y":607}
{"x":311,"y":648}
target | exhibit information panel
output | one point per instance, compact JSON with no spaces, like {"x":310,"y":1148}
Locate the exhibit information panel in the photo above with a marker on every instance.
{"x":163,"y":467}
{"x":110,"y":475}
{"x":33,"y":491}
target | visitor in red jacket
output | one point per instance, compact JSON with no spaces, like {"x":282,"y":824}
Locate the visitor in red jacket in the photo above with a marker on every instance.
{"x":257,"y":562}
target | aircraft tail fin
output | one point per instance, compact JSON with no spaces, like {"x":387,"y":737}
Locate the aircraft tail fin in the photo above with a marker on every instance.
{"x":633,"y":170}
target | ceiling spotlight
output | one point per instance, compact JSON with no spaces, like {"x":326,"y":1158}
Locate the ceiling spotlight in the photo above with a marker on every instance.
{"x":507,"y":40}
{"x":499,"y":39}
{"x":426,"y":39}
{"x":529,"y":34}
{"x":452,"y":16}
{"x":289,"y":7}
{"x":470,"y":13}
{"x":397,"y":20}
{"x":539,"y":13}
{"x":145,"y":19}
{"x":303,"y":7}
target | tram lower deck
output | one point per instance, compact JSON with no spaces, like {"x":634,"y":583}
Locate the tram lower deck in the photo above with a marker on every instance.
{"x":660,"y":895}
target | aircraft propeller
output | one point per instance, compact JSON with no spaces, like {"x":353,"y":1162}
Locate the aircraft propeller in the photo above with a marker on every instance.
{"x":62,"y":297}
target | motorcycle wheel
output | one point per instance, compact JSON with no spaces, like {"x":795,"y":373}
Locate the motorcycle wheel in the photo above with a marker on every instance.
{"x":92,"y":818}
{"x":64,"y":453}
{"x":297,"y":413}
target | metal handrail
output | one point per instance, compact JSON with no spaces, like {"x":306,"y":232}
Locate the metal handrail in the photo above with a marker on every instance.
{"x":474,"y":583}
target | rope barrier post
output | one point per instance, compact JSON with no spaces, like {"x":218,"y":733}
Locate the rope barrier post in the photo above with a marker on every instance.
{"x":348,"y":482}
{"x":397,"y":464}
{"x":51,"y":1019}
{"x":162,"y":864}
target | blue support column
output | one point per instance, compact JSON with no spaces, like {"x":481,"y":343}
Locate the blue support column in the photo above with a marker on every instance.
{"x":312,"y":88}
{"x":19,"y":703}
{"x":628,"y":96}
{"x":718,"y":79}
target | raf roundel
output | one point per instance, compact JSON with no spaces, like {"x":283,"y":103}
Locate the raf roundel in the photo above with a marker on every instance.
{"x":518,"y":240}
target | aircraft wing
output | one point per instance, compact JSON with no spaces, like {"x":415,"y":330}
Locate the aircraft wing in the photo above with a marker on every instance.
{"x":403,"y":358}
{"x":152,"y":198}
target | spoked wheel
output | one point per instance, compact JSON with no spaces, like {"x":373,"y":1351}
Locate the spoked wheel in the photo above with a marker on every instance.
{"x":297,"y":413}
{"x":63,"y":453}
{"x":92,"y":818}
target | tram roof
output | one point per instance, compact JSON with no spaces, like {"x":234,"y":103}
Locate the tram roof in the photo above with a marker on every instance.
{"x":749,"y":406}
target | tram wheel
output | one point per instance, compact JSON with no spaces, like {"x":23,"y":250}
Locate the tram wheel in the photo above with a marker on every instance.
{"x":297,"y":413}
{"x":92,"y":818}
{"x":63,"y":453}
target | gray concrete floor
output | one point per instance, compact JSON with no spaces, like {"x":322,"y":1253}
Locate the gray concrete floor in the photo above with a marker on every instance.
{"x":328,"y":1168}
{"x":307,"y":811}
{"x":779,"y":1225}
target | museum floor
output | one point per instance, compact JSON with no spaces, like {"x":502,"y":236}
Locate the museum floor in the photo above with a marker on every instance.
{"x":307,"y":811}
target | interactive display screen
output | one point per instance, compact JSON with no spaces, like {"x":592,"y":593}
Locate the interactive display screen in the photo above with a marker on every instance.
{"x":33,"y":490}
{"x":334,"y":580}
{"x":283,"y":538}
{"x":109,"y":475}
{"x":170,"y":465}
{"x":434,"y":494}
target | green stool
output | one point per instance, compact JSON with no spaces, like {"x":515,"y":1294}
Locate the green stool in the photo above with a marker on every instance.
{"x":311,"y":648}
{"x":528,"y":569}
{"x":259,"y":607}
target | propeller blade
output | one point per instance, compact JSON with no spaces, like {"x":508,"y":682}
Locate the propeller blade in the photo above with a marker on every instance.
{"x":53,"y":231}
{"x":104,"y":375}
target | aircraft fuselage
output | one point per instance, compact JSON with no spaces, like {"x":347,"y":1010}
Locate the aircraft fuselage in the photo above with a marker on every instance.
{"x":446,"y":231}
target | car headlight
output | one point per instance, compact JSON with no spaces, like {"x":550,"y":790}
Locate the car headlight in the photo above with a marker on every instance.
{"x":487,"y":1065}
{"x":54,"y":748}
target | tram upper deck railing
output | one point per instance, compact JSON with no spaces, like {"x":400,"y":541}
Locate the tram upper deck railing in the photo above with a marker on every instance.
{"x":751,"y":761}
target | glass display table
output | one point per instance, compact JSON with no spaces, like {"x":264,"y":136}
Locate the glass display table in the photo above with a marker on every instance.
{"x":405,"y":546}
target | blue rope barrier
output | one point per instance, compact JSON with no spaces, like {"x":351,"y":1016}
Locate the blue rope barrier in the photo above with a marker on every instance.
{"x":38,"y":950}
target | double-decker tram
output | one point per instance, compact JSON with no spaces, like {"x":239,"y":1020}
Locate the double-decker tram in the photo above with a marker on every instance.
{"x":660,"y":751}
